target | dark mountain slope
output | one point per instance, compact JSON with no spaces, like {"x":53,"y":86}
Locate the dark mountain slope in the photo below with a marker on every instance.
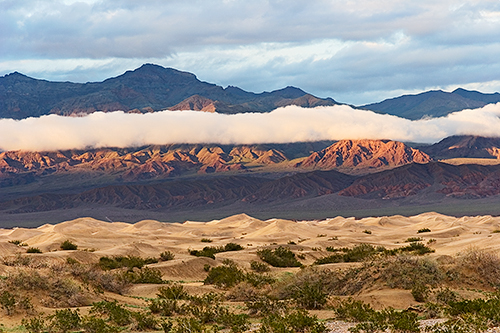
{"x":466,"y":146}
{"x":466,"y":181}
{"x":432,"y":103}
{"x":146,"y":89}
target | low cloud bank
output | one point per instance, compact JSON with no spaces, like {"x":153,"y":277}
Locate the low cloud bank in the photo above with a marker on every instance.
{"x":288,"y":124}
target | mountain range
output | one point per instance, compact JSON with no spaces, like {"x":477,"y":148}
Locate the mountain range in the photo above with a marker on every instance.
{"x":180,"y":181}
{"x":153,"y":88}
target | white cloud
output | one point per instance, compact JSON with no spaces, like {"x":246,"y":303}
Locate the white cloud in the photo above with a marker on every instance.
{"x":289,"y":124}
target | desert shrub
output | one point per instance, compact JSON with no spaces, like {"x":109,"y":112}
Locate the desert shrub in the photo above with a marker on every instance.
{"x":68,"y":245}
{"x":72,"y":261}
{"x":225,"y":276}
{"x":243,"y":292}
{"x":113,"y":311}
{"x":98,"y":279}
{"x":446,"y":295}
{"x":164,"y":307}
{"x":64,"y":320}
{"x":406,"y":271}
{"x":413,"y":239}
{"x":28,"y":280}
{"x":206,"y":308}
{"x":420,"y":292}
{"x":377,"y":321}
{"x":264,"y":305}
{"x":485,"y":264}
{"x":296,"y":321}
{"x":368,"y":232}
{"x":175,"y":292}
{"x":92,"y":324}
{"x":352,"y":310}
{"x":16,"y":242}
{"x":34,"y":325}
{"x":143,"y":275}
{"x":358,"y":253}
{"x":259,"y":280}
{"x":33,"y":250}
{"x":67,"y":292}
{"x":206,"y":240}
{"x":211,"y":251}
{"x":259,"y":267}
{"x":8,"y":302}
{"x":423,"y":230}
{"x":310,"y":295}
{"x":188,"y":325}
{"x":279,"y":257}
{"x":129,"y":262}
{"x":464,"y":324}
{"x":416,"y":248}
{"x":144,"y":321}
{"x":166,"y":256}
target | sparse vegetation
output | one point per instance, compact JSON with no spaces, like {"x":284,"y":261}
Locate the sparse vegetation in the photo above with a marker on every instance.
{"x":423,"y":230}
{"x":206,"y":240}
{"x":279,"y":257}
{"x":166,"y":256}
{"x":129,"y":262}
{"x":211,"y":251}
{"x":33,"y":250}
{"x":259,"y":267}
{"x":68,"y":245}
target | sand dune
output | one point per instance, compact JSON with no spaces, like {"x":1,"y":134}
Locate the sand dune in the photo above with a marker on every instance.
{"x":149,"y":238}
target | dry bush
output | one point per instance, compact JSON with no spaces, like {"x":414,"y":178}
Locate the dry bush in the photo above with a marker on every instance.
{"x":485,"y":265}
{"x":244,"y":292}
{"x":407,"y":271}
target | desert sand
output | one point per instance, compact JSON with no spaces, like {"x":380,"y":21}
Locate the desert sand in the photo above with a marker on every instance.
{"x":448,"y":236}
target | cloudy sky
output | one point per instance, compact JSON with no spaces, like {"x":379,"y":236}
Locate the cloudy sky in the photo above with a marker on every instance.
{"x":353,"y":51}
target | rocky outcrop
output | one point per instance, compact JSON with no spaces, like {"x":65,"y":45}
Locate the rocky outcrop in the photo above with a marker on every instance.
{"x":364,"y":154}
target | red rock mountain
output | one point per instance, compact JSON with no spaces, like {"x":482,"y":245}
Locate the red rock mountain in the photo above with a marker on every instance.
{"x":136,"y":164}
{"x":364,"y":154}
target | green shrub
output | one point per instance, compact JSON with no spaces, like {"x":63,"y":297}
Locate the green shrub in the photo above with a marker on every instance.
{"x":356,"y":254}
{"x":416,"y":248}
{"x":92,"y":324}
{"x":114,"y":311}
{"x":188,"y":325}
{"x":206,"y":240}
{"x":64,"y":320}
{"x":352,"y":310}
{"x":144,"y":275}
{"x":225,"y":276}
{"x":310,"y":295}
{"x":68,"y":245}
{"x":423,"y":230}
{"x":129,"y":262}
{"x":413,"y":239}
{"x":446,"y":296}
{"x":166,"y":256}
{"x":279,"y":257}
{"x":16,"y":242}
{"x":420,"y":292}
{"x":35,"y":324}
{"x":211,"y":251}
{"x":164,"y":307}
{"x":33,"y":250}
{"x":258,"y":280}
{"x":8,"y":302}
{"x":175,"y":292}
{"x":259,"y":267}
{"x":144,"y":321}
{"x":297,"y":321}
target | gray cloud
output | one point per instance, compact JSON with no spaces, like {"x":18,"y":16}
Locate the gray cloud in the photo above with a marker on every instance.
{"x":289,"y":124}
{"x":382,"y":46}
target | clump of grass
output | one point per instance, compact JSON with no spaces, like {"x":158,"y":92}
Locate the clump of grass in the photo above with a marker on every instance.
{"x":279,"y":257}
